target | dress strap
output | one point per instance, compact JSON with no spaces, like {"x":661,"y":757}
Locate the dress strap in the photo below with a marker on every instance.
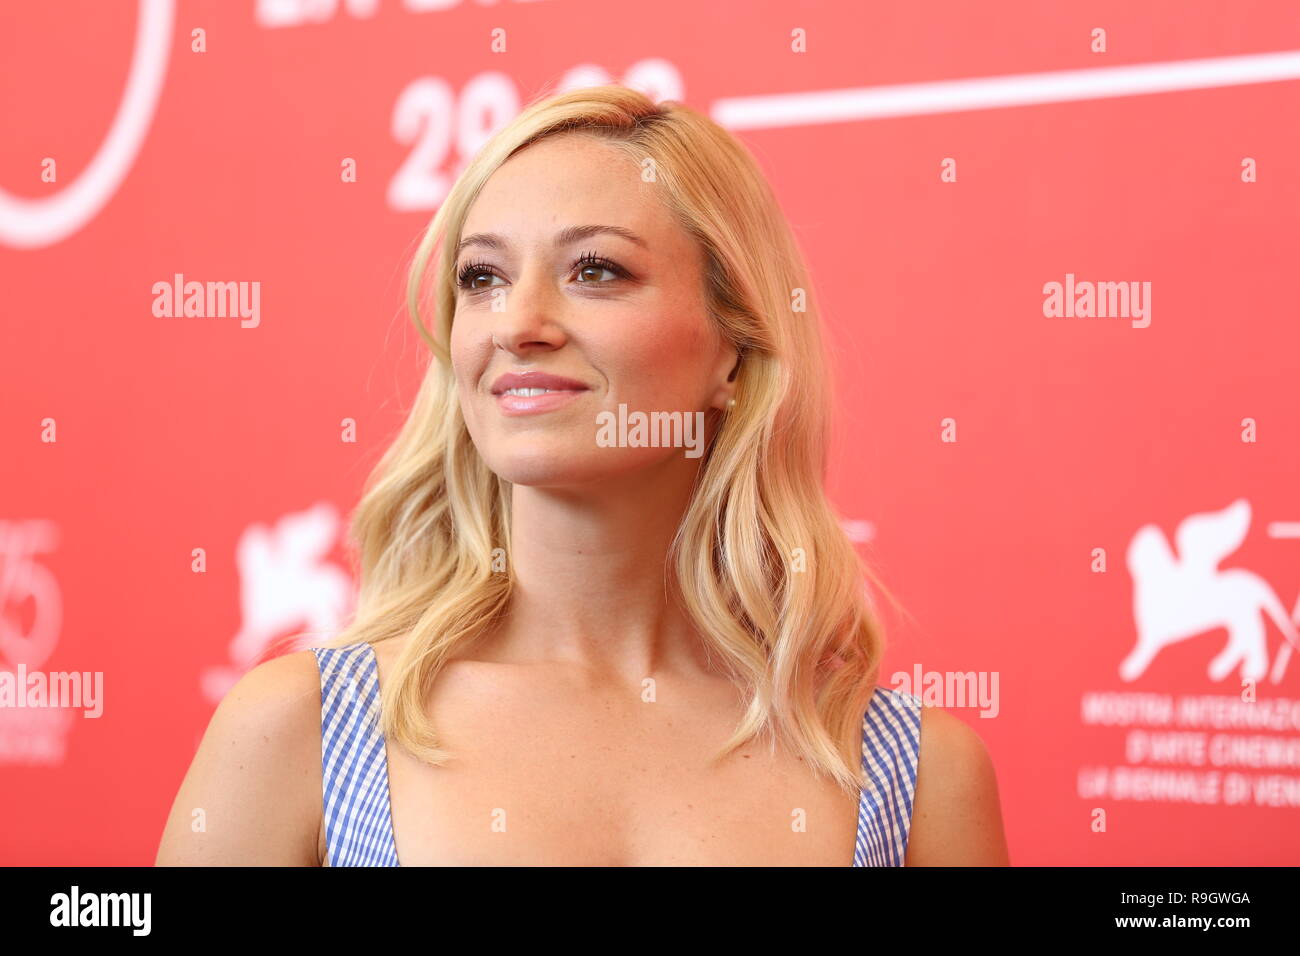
{"x":354,"y":764}
{"x":891,"y":744}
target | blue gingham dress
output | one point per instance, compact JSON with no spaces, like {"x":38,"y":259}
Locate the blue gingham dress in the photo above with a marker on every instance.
{"x":358,"y":819}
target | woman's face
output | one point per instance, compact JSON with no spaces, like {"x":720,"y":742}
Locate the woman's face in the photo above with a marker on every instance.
{"x":572,"y":267}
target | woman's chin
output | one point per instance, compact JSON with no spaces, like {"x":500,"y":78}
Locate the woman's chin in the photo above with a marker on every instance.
{"x":560,"y":471}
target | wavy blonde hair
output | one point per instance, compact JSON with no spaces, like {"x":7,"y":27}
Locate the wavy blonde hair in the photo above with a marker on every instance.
{"x":766,"y":572}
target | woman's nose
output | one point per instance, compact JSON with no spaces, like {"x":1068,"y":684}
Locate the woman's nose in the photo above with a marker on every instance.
{"x":529,"y":315}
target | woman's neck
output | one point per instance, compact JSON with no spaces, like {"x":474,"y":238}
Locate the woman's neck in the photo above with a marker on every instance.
{"x":592,"y":585}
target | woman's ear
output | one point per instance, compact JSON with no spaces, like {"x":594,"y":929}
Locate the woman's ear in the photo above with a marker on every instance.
{"x":727,"y":389}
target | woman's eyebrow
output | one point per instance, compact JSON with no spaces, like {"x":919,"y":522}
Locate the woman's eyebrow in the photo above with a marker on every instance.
{"x":564,"y":237}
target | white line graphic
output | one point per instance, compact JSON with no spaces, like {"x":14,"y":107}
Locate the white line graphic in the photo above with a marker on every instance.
{"x":995,"y":92}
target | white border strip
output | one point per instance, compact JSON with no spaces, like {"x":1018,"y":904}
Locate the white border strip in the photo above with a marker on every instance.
{"x":994,"y":92}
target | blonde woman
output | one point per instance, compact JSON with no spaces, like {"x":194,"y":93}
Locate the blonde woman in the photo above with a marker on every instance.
{"x":580,"y":643}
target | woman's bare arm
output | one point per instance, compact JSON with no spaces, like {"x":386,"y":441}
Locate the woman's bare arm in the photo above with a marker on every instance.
{"x":956,"y":814}
{"x":252,"y":796}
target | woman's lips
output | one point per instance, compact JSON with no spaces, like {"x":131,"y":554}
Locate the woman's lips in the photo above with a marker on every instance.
{"x":513,"y":405}
{"x":559,"y":391}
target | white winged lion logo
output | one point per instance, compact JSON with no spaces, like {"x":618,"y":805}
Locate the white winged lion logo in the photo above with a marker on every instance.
{"x":1176,"y":597}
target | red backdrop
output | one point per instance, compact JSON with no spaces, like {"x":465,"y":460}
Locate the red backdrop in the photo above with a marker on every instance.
{"x":1046,"y":493}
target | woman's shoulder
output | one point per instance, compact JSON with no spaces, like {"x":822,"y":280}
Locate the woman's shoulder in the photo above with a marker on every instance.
{"x":256,"y":773}
{"x":280,"y":697}
{"x":956,"y":814}
{"x":943,"y":732}
{"x":282,"y":694}
{"x":273,"y":710}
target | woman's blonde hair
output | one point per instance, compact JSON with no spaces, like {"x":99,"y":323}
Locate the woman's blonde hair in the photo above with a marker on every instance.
{"x":766,"y":572}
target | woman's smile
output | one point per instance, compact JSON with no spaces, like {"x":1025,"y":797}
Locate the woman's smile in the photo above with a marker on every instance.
{"x":533,"y":392}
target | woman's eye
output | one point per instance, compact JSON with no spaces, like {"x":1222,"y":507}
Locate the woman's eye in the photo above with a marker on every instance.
{"x":597,"y":269}
{"x":470,"y":279}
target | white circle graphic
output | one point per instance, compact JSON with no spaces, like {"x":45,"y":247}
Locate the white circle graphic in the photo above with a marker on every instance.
{"x":29,"y":223}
